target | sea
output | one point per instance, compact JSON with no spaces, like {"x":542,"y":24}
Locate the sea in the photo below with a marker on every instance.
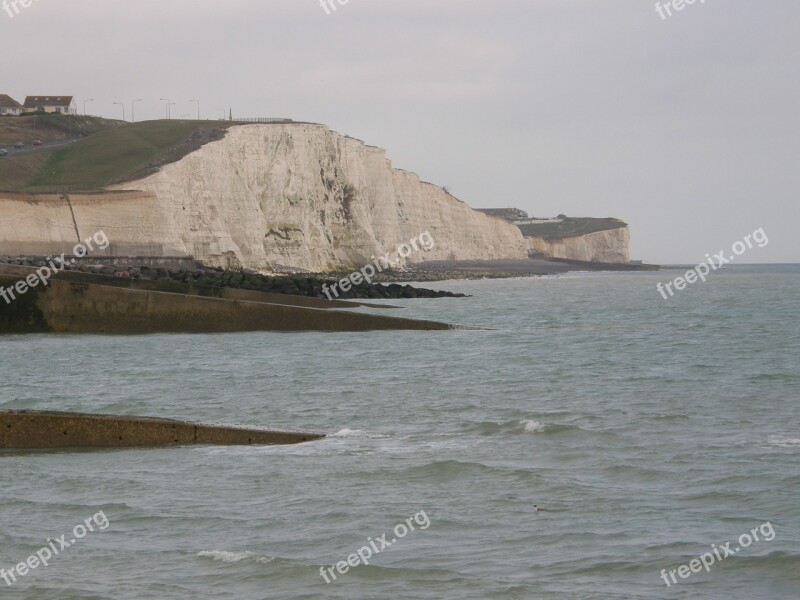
{"x":584,"y":439}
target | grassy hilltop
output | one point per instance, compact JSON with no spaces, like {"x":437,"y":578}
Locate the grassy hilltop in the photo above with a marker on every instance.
{"x":105,"y":152}
{"x":570,"y":227}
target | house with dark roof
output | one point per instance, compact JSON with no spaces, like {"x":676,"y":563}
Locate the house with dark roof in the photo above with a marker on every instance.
{"x":9,"y":106}
{"x":51,"y":104}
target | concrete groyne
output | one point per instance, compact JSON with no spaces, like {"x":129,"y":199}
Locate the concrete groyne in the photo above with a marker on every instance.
{"x":43,"y":430}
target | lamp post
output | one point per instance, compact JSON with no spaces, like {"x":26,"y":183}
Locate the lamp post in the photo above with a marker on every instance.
{"x":169,"y":110}
{"x":133,"y":114}
{"x":84,"y":105}
{"x":198,"y":108}
{"x":167,"y":101}
{"x":123,"y":109}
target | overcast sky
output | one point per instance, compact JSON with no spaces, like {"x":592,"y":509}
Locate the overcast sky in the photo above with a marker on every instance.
{"x":687,"y":127}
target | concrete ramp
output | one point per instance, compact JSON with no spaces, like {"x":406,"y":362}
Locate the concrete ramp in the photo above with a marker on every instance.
{"x":47,"y":430}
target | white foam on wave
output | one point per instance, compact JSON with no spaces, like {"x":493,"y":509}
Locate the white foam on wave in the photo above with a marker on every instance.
{"x":349,"y":433}
{"x":532,"y":426}
{"x":358,"y":433}
{"x":234,"y":557}
{"x":783,"y":442}
{"x":773,"y":441}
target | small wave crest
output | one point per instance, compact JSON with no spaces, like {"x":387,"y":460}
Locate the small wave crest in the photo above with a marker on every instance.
{"x":343,"y":433}
{"x":773,"y":441}
{"x":531,"y":426}
{"x":518,"y":427}
{"x":360,"y":434}
{"x":783,"y":442}
{"x":234,"y":557}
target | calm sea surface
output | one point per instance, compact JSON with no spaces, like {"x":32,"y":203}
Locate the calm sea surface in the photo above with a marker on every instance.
{"x":647,"y":430}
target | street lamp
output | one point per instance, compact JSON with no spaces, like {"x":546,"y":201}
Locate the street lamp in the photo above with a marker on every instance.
{"x":167,"y":101}
{"x":169,"y":110}
{"x":123,"y":109}
{"x":198,"y":108}
{"x":133,"y":114}
{"x":84,"y":105}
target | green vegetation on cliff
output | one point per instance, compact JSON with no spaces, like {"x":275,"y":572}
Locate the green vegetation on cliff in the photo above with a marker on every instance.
{"x":109,"y":154}
{"x":51,"y":128}
{"x":570,"y":227}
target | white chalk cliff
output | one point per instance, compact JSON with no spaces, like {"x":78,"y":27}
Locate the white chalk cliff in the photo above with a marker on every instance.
{"x":610,"y":246}
{"x":279,"y":195}
{"x":301,"y":195}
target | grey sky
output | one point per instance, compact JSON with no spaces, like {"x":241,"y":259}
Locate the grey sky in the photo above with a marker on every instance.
{"x":688,"y":128}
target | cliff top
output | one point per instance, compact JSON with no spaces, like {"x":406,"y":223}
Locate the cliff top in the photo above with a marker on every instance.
{"x":565,"y":227}
{"x":556,"y":228}
{"x":108,"y":151}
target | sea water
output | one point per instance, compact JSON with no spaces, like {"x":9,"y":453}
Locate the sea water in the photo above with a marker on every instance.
{"x":647,"y":432}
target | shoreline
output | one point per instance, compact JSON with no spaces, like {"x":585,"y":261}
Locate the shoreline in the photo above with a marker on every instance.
{"x":309,"y":288}
{"x":499,"y":269}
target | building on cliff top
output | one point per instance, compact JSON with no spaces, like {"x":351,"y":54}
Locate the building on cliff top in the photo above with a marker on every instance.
{"x":9,"y":106}
{"x":51,"y":104}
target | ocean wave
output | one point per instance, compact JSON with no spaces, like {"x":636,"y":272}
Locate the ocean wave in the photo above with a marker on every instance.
{"x":783,"y":442}
{"x":447,"y":470}
{"x":772,"y":441}
{"x":523,"y":426}
{"x":350,"y":433}
{"x":234,"y":557}
{"x":778,"y":559}
{"x":357,"y":433}
{"x":532,"y":426}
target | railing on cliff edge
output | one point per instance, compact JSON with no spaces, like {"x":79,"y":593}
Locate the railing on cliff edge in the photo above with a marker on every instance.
{"x":261,"y":120}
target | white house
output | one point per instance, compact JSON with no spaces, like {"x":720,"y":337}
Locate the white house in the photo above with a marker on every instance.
{"x":9,"y":106}
{"x":51,"y":104}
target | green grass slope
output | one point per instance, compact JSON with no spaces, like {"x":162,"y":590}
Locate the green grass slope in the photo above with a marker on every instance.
{"x":123,"y":153}
{"x":16,"y":171}
{"x":106,"y":156}
{"x":51,"y":128}
{"x":570,"y":227}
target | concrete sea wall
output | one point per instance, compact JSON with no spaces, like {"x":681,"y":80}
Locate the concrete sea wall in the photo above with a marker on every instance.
{"x":72,"y":306}
{"x":40,"y":430}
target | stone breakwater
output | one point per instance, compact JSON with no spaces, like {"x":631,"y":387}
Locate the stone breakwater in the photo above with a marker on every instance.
{"x":296,"y":285}
{"x":77,"y":302}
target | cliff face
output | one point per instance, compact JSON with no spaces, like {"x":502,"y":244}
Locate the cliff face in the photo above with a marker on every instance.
{"x":611,"y":246}
{"x":281,"y":195}
{"x":303,"y":196}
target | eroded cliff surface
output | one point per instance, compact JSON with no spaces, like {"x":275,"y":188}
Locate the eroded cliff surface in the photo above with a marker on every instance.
{"x":611,"y":246}
{"x":274,"y":196}
{"x":303,"y":196}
